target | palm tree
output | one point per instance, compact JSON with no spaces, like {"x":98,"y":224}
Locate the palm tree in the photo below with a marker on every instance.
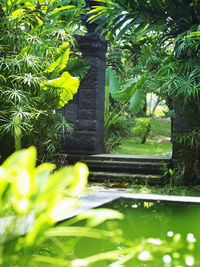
{"x":171,"y":17}
{"x":175,"y":69}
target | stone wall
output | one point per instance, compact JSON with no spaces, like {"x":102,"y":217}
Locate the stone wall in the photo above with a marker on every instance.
{"x":86,"y":110}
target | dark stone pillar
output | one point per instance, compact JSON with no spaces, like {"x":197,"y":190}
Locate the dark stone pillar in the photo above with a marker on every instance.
{"x":86,"y":110}
{"x":179,"y":125}
{"x":182,"y":124}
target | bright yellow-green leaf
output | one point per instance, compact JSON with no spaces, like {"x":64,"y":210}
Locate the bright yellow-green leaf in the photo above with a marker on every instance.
{"x":81,"y":173}
{"x":26,"y":50}
{"x":25,"y":158}
{"x":62,"y":48}
{"x":98,"y":216}
{"x":9,"y":2}
{"x":21,"y":205}
{"x":3,"y":180}
{"x":17,"y":13}
{"x":62,"y":207}
{"x":105,"y":1}
{"x":40,"y":22}
{"x":61,"y":178}
{"x":60,"y":9}
{"x":22,"y":183}
{"x":66,"y":85}
{"x":40,"y":225}
{"x":60,"y":63}
{"x":70,"y":88}
{"x":41,"y":174}
{"x":3,"y":78}
{"x":29,"y":5}
{"x":94,"y":10}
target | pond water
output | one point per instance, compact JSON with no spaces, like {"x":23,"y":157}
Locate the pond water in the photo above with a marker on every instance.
{"x":155,"y":234}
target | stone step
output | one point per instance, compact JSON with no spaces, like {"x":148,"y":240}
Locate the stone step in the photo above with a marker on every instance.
{"x":113,"y":157}
{"x":129,"y":168}
{"x":125,"y":166}
{"x":125,"y":177}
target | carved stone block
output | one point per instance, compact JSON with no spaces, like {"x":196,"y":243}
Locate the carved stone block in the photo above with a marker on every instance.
{"x":88,"y":104}
{"x":87,"y":125}
{"x":88,"y":93}
{"x":89,"y":114}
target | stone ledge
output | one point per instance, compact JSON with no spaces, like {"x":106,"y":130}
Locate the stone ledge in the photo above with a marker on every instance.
{"x":98,"y":199}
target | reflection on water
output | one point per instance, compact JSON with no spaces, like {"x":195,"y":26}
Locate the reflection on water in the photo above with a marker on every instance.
{"x":154,"y":234}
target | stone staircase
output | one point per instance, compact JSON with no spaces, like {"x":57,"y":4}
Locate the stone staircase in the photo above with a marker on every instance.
{"x":124,"y":168}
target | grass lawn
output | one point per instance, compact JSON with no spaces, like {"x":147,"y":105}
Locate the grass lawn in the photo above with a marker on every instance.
{"x":158,"y":143}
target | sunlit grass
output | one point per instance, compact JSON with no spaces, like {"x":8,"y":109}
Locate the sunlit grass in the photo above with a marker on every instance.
{"x":161,"y":126}
{"x":158,"y":143}
{"x":134,"y":147}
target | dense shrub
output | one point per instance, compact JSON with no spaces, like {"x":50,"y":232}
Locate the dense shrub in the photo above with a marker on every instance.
{"x":142,"y":128}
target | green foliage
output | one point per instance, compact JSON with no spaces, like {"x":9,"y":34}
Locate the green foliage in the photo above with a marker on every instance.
{"x":115,"y":121}
{"x":142,"y":128}
{"x":27,"y":190}
{"x":164,"y":37}
{"x":77,"y":67}
{"x":160,"y":126}
{"x":114,"y":60}
{"x":132,"y":94}
{"x":36,"y":45}
{"x":188,"y":169}
{"x":32,"y":200}
{"x":122,"y":97}
{"x":142,"y":17}
{"x":66,"y":85}
{"x":61,"y":61}
{"x":157,"y":143}
{"x":112,"y":85}
{"x":138,"y":100}
{"x":112,"y":81}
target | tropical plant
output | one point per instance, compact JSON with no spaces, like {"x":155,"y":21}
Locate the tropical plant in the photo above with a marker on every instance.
{"x":189,"y":144}
{"x":32,"y":200}
{"x":132,"y":94}
{"x":37,"y":61}
{"x":142,"y":128}
{"x":118,"y":101}
{"x":141,"y":17}
{"x":164,"y":35}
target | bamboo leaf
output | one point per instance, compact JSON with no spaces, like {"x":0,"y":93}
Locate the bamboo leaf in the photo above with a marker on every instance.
{"x":105,"y":1}
{"x":56,"y":10}
{"x":17,"y":13}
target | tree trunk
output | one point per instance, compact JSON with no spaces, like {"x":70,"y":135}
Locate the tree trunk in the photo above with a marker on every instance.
{"x":146,"y":133}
